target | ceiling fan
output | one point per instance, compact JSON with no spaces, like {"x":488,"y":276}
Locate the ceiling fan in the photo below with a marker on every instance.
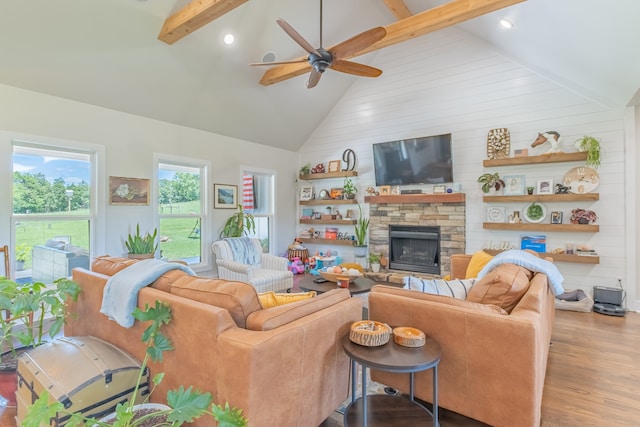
{"x":320,"y":59}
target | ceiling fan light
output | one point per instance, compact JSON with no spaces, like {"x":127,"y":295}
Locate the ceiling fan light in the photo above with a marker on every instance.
{"x":505,"y":23}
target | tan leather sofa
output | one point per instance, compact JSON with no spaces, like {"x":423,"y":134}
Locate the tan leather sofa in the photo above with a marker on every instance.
{"x":493,"y":365}
{"x":284,"y":366}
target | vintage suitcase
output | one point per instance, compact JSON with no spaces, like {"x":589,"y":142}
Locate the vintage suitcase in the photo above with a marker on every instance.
{"x":86,"y":374}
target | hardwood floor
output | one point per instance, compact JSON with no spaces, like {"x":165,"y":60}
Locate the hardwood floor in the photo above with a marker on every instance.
{"x":593,"y":373}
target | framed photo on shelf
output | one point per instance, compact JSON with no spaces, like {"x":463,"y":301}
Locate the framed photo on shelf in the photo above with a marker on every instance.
{"x":545,"y":186}
{"x":385,"y":190}
{"x":556,"y":217}
{"x":439,"y":189}
{"x":225,"y":196}
{"x":306,"y":192}
{"x":334,"y":166}
{"x":514,"y":185}
{"x":128,"y":191}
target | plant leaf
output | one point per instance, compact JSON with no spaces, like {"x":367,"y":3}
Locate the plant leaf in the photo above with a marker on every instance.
{"x":187,"y":404}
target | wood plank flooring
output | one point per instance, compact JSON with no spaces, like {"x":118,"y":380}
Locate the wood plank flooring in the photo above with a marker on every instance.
{"x":593,"y":374}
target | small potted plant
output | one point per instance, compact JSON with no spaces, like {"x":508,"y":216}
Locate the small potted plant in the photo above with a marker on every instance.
{"x":349,"y":189}
{"x":530,"y":190}
{"x":239,"y":224}
{"x":140,"y":246}
{"x":583,"y":216}
{"x":362,"y":224}
{"x":592,"y":146}
{"x":374,"y":262}
{"x":306,"y":169}
{"x":491,"y":180}
{"x":22,"y":253}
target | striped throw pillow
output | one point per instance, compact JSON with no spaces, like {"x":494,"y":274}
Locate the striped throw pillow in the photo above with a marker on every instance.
{"x":458,"y":288}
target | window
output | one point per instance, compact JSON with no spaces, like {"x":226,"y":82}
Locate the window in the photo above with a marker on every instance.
{"x":257,"y":199}
{"x":182,"y":210}
{"x":52,"y":212}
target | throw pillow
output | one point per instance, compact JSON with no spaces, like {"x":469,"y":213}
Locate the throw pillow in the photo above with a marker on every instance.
{"x":477,"y":262}
{"x":273,"y":299}
{"x":452,"y":288}
{"x":504,"y":286}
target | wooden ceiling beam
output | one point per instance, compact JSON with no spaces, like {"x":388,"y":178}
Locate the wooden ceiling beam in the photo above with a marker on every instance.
{"x":398,"y":8}
{"x":422,"y":23}
{"x":193,"y":16}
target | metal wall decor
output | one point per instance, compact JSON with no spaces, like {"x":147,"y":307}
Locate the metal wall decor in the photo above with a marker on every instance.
{"x":498,"y":143}
{"x":349,"y":157}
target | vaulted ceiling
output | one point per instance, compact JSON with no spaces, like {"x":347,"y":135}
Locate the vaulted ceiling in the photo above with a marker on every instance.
{"x":108,"y":53}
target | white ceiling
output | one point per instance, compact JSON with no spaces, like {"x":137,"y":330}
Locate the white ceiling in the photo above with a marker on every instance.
{"x":106,"y":53}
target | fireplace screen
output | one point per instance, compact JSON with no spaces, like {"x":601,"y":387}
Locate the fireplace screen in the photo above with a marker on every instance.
{"x":414,"y":248}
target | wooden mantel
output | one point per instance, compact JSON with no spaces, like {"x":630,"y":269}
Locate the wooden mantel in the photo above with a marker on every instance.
{"x":416,"y":198}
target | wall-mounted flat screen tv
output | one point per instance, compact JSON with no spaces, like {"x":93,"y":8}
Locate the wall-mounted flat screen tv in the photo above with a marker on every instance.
{"x":425,"y":160}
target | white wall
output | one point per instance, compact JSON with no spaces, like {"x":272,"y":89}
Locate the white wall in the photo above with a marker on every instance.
{"x":450,"y":82}
{"x":129,"y":144}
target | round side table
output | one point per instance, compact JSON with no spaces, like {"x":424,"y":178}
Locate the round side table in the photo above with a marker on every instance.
{"x":389,"y":410}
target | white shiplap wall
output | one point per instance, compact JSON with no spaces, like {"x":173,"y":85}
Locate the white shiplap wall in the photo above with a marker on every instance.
{"x":451,"y":82}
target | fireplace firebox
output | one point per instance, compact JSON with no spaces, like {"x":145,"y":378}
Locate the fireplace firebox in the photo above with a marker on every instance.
{"x":414,"y":248}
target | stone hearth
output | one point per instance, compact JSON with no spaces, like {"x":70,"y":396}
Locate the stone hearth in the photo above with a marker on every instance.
{"x":448,"y":211}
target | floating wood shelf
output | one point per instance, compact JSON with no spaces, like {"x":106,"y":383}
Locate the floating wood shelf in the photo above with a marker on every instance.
{"x":417,"y":198}
{"x":573,"y":228}
{"x":532,"y":160}
{"x":549,"y":198}
{"x":327,"y":175}
{"x":578,"y":259}
{"x":318,"y":241}
{"x":329,"y":202}
{"x":328,"y":221}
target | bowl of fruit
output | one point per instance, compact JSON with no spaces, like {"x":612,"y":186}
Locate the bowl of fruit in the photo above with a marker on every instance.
{"x":333,"y":274}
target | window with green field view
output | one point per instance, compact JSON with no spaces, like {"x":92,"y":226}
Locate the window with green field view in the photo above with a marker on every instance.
{"x":257,"y":199}
{"x":181,"y":210}
{"x":52,"y":210}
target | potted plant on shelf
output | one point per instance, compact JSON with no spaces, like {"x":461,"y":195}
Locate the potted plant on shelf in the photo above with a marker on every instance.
{"x":491,"y":180}
{"x":349,"y":189}
{"x":374,"y":262}
{"x":530,"y":190}
{"x":306,"y":169}
{"x":592,"y":146}
{"x":239,"y":224}
{"x":362,"y":224}
{"x":183,"y":405}
{"x":140,"y":246}
{"x":583,"y":216}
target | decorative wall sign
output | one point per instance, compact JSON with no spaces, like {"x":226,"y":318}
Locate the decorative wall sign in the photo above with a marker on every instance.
{"x":334,"y":166}
{"x":128,"y":191}
{"x":496,"y":214}
{"x":498,"y":143}
{"x":225,"y":196}
{"x":349,"y":157}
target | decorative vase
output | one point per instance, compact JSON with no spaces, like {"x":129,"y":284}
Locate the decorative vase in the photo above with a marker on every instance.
{"x":360,"y":251}
{"x":375,"y":267}
{"x":583,"y":221}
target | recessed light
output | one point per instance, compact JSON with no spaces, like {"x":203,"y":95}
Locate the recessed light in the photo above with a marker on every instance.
{"x":506,"y":23}
{"x":229,"y":39}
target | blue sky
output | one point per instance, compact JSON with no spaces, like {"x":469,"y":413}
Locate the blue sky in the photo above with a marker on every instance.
{"x":72,"y":171}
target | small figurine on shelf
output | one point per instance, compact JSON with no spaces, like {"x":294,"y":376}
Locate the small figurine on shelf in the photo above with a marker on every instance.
{"x":319,"y":168}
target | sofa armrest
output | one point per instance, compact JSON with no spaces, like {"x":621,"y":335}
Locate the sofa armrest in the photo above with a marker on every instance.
{"x":273,"y":262}
{"x":235,"y":267}
{"x":459,"y":264}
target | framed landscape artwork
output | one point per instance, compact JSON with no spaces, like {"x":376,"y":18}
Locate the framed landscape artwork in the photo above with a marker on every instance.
{"x":128,"y":191}
{"x":225,"y":196}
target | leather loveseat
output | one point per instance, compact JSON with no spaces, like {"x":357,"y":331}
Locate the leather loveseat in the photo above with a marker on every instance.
{"x":493,"y":363}
{"x":283,"y":366}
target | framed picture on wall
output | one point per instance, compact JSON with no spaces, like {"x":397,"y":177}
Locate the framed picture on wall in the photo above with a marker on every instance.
{"x":128,"y":191}
{"x":334,"y":166}
{"x":545,"y":186}
{"x":306,"y":192}
{"x":514,"y":185}
{"x":225,"y":196}
{"x":385,"y":190}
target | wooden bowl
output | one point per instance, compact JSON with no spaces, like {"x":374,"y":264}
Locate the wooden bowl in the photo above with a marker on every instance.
{"x":370,"y":333}
{"x":408,"y":337}
{"x":333,"y":277}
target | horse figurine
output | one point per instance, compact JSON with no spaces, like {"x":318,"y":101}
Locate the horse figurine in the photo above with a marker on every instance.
{"x":551,"y":137}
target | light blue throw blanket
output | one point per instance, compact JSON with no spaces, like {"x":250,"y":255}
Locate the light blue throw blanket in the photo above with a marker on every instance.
{"x":120,"y":295}
{"x":530,"y":262}
{"x":243,"y":250}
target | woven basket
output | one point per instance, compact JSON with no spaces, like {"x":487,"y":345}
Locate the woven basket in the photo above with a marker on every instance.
{"x":370,"y":333}
{"x":408,"y":337}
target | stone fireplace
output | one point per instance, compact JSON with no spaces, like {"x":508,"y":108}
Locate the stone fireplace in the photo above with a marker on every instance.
{"x":446,"y":212}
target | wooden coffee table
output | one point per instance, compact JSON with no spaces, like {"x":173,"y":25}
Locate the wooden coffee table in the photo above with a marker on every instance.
{"x":359,"y":286}
{"x":386,"y":410}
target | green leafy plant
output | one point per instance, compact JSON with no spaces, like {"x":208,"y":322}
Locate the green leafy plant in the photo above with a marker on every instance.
{"x":139,"y":244}
{"x":374,"y":258}
{"x":592,"y":146}
{"x":491,"y":180}
{"x":306,"y":169}
{"x":362,"y":224}
{"x":27,"y":304}
{"x":239,"y":224}
{"x":348,"y":188}
{"x":535,"y":211}
{"x":185,"y":405}
{"x":22,"y":252}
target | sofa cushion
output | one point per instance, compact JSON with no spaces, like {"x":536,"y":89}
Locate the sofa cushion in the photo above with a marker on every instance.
{"x":478,"y":261}
{"x":271,"y":318}
{"x":110,"y":265}
{"x":458,"y":288}
{"x":274,"y":299}
{"x":503,"y":286}
{"x":239,"y":298}
{"x":167,"y":280}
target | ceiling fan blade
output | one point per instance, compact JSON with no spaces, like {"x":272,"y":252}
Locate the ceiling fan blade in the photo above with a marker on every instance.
{"x":296,"y":36}
{"x":355,"y":44}
{"x":354,"y":68}
{"x":314,"y":78}
{"x":295,"y":61}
